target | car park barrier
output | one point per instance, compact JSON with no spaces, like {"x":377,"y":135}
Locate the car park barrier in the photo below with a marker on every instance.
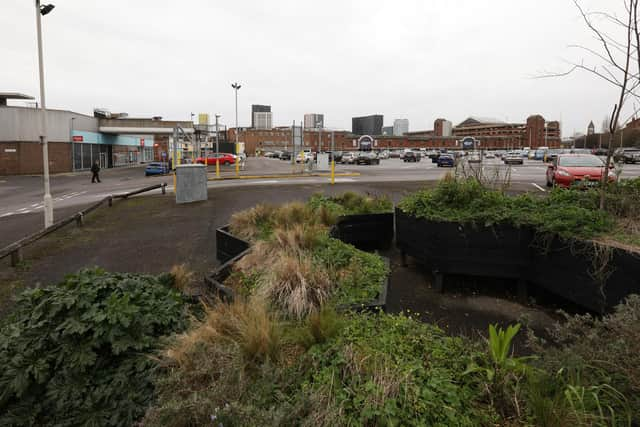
{"x":15,"y":249}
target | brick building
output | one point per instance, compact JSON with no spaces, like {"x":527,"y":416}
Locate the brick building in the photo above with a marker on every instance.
{"x":495,"y":134}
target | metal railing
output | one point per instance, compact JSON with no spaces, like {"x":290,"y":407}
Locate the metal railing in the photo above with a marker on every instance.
{"x":15,"y":249}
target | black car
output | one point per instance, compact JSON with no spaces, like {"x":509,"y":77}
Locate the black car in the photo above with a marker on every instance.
{"x":627,"y":155}
{"x":285,"y":155}
{"x":411,"y":156}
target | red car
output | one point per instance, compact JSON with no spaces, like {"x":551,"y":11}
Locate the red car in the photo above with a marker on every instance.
{"x":573,"y":169}
{"x":221,"y":158}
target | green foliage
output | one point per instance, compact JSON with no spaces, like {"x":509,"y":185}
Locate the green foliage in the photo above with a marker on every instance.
{"x":358,"y":275}
{"x":597,"y":361}
{"x":391,"y":370}
{"x":568,"y":213}
{"x":501,"y":371}
{"x":350,"y":203}
{"x":76,"y":353}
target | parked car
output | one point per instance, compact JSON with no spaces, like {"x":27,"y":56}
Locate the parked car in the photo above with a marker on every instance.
{"x":219,"y":158}
{"x":474,"y":158}
{"x":490,"y":155}
{"x":513,"y":158}
{"x":285,"y":155}
{"x":599,"y":151}
{"x":446,"y":160}
{"x":627,"y":155}
{"x":411,"y":156}
{"x":367,"y":158}
{"x":539,"y":154}
{"x":335,"y":156}
{"x":384,"y":154}
{"x":575,"y":169}
{"x":306,"y":156}
{"x":349,"y":158}
{"x":394,"y":154}
{"x":156,"y":168}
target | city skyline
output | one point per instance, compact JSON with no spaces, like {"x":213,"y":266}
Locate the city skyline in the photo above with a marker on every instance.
{"x":450,"y":69}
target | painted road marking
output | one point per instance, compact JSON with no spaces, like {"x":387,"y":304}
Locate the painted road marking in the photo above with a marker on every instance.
{"x":7,"y":214}
{"x":34,"y":205}
{"x":272,"y":181}
{"x":538,"y":187}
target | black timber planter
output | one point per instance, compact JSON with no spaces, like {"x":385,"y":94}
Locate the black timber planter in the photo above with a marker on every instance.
{"x":365,"y":231}
{"x":372,"y":231}
{"x":568,"y":269}
{"x":500,"y":250}
{"x":228,"y":246}
{"x":574,"y":270}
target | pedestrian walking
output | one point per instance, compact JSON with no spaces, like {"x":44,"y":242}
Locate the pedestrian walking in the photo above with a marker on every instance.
{"x":95,"y":169}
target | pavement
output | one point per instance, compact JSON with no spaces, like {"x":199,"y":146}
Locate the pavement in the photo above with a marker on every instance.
{"x":21,"y":211}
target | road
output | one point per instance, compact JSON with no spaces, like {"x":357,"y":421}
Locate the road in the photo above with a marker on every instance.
{"x":21,"y":196}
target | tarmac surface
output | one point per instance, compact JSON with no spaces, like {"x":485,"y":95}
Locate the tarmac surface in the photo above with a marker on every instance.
{"x":21,"y":211}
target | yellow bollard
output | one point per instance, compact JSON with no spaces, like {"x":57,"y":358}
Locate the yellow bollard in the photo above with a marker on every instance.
{"x":217,"y":168}
{"x":333,"y":171}
{"x":174,"y":182}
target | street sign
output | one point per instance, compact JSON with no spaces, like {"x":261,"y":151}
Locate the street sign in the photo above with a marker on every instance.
{"x":77,"y":138}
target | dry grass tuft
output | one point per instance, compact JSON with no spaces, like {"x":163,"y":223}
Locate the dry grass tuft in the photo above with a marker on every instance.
{"x":183,"y":278}
{"x":249,"y":224}
{"x":296,"y":284}
{"x":245,"y":324}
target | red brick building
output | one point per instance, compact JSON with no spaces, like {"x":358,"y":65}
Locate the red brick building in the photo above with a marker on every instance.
{"x":536,"y":132}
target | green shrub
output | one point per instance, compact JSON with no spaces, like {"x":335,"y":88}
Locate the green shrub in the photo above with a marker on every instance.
{"x":391,"y":370}
{"x":597,"y":362}
{"x":568,"y":213}
{"x":77,"y":353}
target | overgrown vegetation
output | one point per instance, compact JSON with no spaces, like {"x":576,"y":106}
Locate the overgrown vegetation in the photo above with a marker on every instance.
{"x":306,"y":268}
{"x":568,"y":213}
{"x":319,"y":211}
{"x":78,"y":353}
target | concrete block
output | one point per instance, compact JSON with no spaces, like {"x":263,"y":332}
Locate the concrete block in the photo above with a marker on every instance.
{"x":191,"y":183}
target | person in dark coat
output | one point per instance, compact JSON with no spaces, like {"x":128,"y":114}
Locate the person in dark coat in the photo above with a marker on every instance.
{"x":95,"y":169}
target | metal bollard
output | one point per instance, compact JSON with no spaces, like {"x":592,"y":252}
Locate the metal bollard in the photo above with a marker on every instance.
{"x":16,"y":257}
{"x":80,"y":220}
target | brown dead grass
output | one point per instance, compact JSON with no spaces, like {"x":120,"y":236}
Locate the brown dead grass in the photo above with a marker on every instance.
{"x":183,"y":277}
{"x":245,"y":324}
{"x":290,"y":278}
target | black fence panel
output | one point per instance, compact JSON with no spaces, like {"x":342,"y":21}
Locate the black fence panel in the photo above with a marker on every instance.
{"x":500,"y":250}
{"x":366,"y":231}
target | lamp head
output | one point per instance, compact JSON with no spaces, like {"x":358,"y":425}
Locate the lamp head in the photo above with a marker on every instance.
{"x":45,"y":9}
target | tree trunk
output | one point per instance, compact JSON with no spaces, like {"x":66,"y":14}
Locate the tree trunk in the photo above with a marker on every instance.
{"x":604,"y":179}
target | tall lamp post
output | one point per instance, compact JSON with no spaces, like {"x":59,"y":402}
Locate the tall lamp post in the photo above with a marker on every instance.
{"x":217,"y":148}
{"x":237,"y":87}
{"x":48,"y":201}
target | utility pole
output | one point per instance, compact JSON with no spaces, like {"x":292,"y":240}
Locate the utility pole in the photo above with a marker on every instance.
{"x":48,"y":201}
{"x":237,"y":87}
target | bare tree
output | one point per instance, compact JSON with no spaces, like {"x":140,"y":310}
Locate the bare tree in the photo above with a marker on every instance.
{"x":617,"y":60}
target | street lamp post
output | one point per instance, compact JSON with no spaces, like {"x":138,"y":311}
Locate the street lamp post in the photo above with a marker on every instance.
{"x":237,"y":87}
{"x":48,"y":201}
{"x":217,"y":148}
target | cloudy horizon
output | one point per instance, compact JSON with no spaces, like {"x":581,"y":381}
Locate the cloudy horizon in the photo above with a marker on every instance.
{"x":342,"y":59}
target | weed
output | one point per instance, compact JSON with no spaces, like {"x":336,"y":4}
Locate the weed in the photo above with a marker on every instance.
{"x":182,"y":277}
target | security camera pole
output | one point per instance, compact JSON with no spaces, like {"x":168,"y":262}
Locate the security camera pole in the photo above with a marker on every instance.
{"x":48,"y":201}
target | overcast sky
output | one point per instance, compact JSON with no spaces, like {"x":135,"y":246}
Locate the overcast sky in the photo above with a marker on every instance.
{"x":414,"y":59}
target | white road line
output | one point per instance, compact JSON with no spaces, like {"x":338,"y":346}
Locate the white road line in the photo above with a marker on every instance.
{"x":538,"y":187}
{"x":34,"y":205}
{"x":22,"y":209}
{"x":7,"y":214}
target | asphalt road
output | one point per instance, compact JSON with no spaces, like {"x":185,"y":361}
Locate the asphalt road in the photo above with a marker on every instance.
{"x":21,"y":196}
